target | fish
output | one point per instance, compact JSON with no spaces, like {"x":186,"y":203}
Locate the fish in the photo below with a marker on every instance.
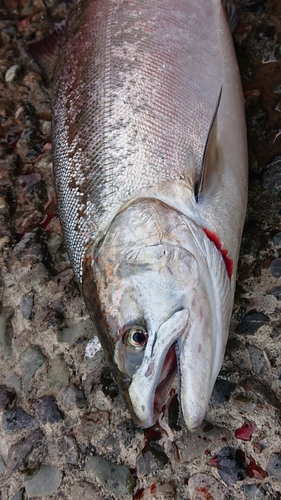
{"x":150,"y":164}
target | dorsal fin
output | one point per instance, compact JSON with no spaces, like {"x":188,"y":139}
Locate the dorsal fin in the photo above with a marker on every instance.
{"x":45,"y":51}
{"x":209,"y":171}
{"x":232,"y":12}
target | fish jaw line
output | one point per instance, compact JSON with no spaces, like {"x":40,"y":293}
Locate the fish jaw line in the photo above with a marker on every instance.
{"x":200,"y":353}
{"x":157,"y":370}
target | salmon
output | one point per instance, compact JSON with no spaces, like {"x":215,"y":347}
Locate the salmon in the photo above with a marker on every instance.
{"x":150,"y":162}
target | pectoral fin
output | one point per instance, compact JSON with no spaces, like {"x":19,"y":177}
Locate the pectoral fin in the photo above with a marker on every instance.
{"x":210,"y":172}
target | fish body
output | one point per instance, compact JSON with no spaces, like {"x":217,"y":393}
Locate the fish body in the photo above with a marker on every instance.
{"x":150,"y":162}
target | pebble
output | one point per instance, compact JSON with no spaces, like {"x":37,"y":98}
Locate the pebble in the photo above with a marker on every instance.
{"x":66,"y":448}
{"x":115,"y":478}
{"x":256,"y":491}
{"x":18,"y":453}
{"x":2,"y":465}
{"x":275,"y":268}
{"x":47,"y":411}
{"x":203,"y":486}
{"x":72,"y":396}
{"x":274,"y":466}
{"x":58,"y":373}
{"x":7,"y":397}
{"x":272,"y":176}
{"x":13,"y":380}
{"x":11,"y":73}
{"x":231,"y":465}
{"x":17,"y":419}
{"x":85,"y":491}
{"x":259,"y":360}
{"x":18,"y":495}
{"x":90,"y":423}
{"x":29,"y":362}
{"x":221,"y":392}
{"x":251,"y":322}
{"x":45,"y":482}
{"x":26,"y":306}
{"x":73,"y":333}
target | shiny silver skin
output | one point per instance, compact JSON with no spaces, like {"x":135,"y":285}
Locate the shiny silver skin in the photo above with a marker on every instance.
{"x":135,"y":93}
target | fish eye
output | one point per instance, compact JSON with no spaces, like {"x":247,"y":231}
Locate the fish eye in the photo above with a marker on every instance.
{"x":136,"y":337}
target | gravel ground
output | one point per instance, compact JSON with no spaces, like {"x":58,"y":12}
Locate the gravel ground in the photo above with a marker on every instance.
{"x":64,"y":429}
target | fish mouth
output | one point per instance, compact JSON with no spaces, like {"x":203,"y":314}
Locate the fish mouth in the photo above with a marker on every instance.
{"x":166,"y":378}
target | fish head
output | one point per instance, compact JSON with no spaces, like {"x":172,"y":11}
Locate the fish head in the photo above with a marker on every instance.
{"x":152,"y":315}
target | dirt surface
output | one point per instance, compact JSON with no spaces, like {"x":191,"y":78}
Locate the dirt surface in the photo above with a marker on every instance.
{"x":64,"y":429}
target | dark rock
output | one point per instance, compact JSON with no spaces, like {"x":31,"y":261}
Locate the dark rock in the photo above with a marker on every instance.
{"x":254,"y":6}
{"x":231,"y":465}
{"x":17,"y":419}
{"x":275,"y":268}
{"x":109,"y":387}
{"x":19,"y":452}
{"x":26,"y":306}
{"x":7,"y":397}
{"x":72,"y":396}
{"x":272,"y":176}
{"x":274,"y":466}
{"x":47,"y":411}
{"x":251,"y":322}
{"x":221,"y":392}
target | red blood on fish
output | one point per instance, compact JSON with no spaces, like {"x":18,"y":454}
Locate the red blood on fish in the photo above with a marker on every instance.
{"x":215,"y":239}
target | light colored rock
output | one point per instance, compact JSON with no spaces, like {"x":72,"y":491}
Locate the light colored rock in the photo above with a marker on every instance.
{"x":45,"y":482}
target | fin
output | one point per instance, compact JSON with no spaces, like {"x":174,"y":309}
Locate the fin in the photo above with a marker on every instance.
{"x":45,"y":51}
{"x":232,"y":11}
{"x":209,"y":171}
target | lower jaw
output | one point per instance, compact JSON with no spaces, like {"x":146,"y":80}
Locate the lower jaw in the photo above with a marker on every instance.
{"x":165,"y":380}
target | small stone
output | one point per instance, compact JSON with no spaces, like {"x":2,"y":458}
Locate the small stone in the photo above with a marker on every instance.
{"x":7,"y":397}
{"x":47,"y":411}
{"x":256,"y":491}
{"x":73,"y":333}
{"x":29,"y":361}
{"x":89,"y":424}
{"x":221,"y":392}
{"x":274,"y":466}
{"x":64,"y":449}
{"x":19,"y":452}
{"x":58,"y":373}
{"x":115,"y":478}
{"x":71,"y":396}
{"x":258,"y":359}
{"x":272,"y":176}
{"x":93,"y":347}
{"x":231,"y":465}
{"x":251,"y":322}
{"x":11,"y":73}
{"x":29,"y":180}
{"x":275,"y":268}
{"x":13,"y":380}
{"x":18,"y":495}
{"x":26,"y":306}
{"x":15,"y":420}
{"x":2,"y":465}
{"x":85,"y":491}
{"x":205,"y":487}
{"x":45,"y":482}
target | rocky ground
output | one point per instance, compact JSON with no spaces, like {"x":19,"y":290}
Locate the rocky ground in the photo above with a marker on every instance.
{"x":64,"y":430}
